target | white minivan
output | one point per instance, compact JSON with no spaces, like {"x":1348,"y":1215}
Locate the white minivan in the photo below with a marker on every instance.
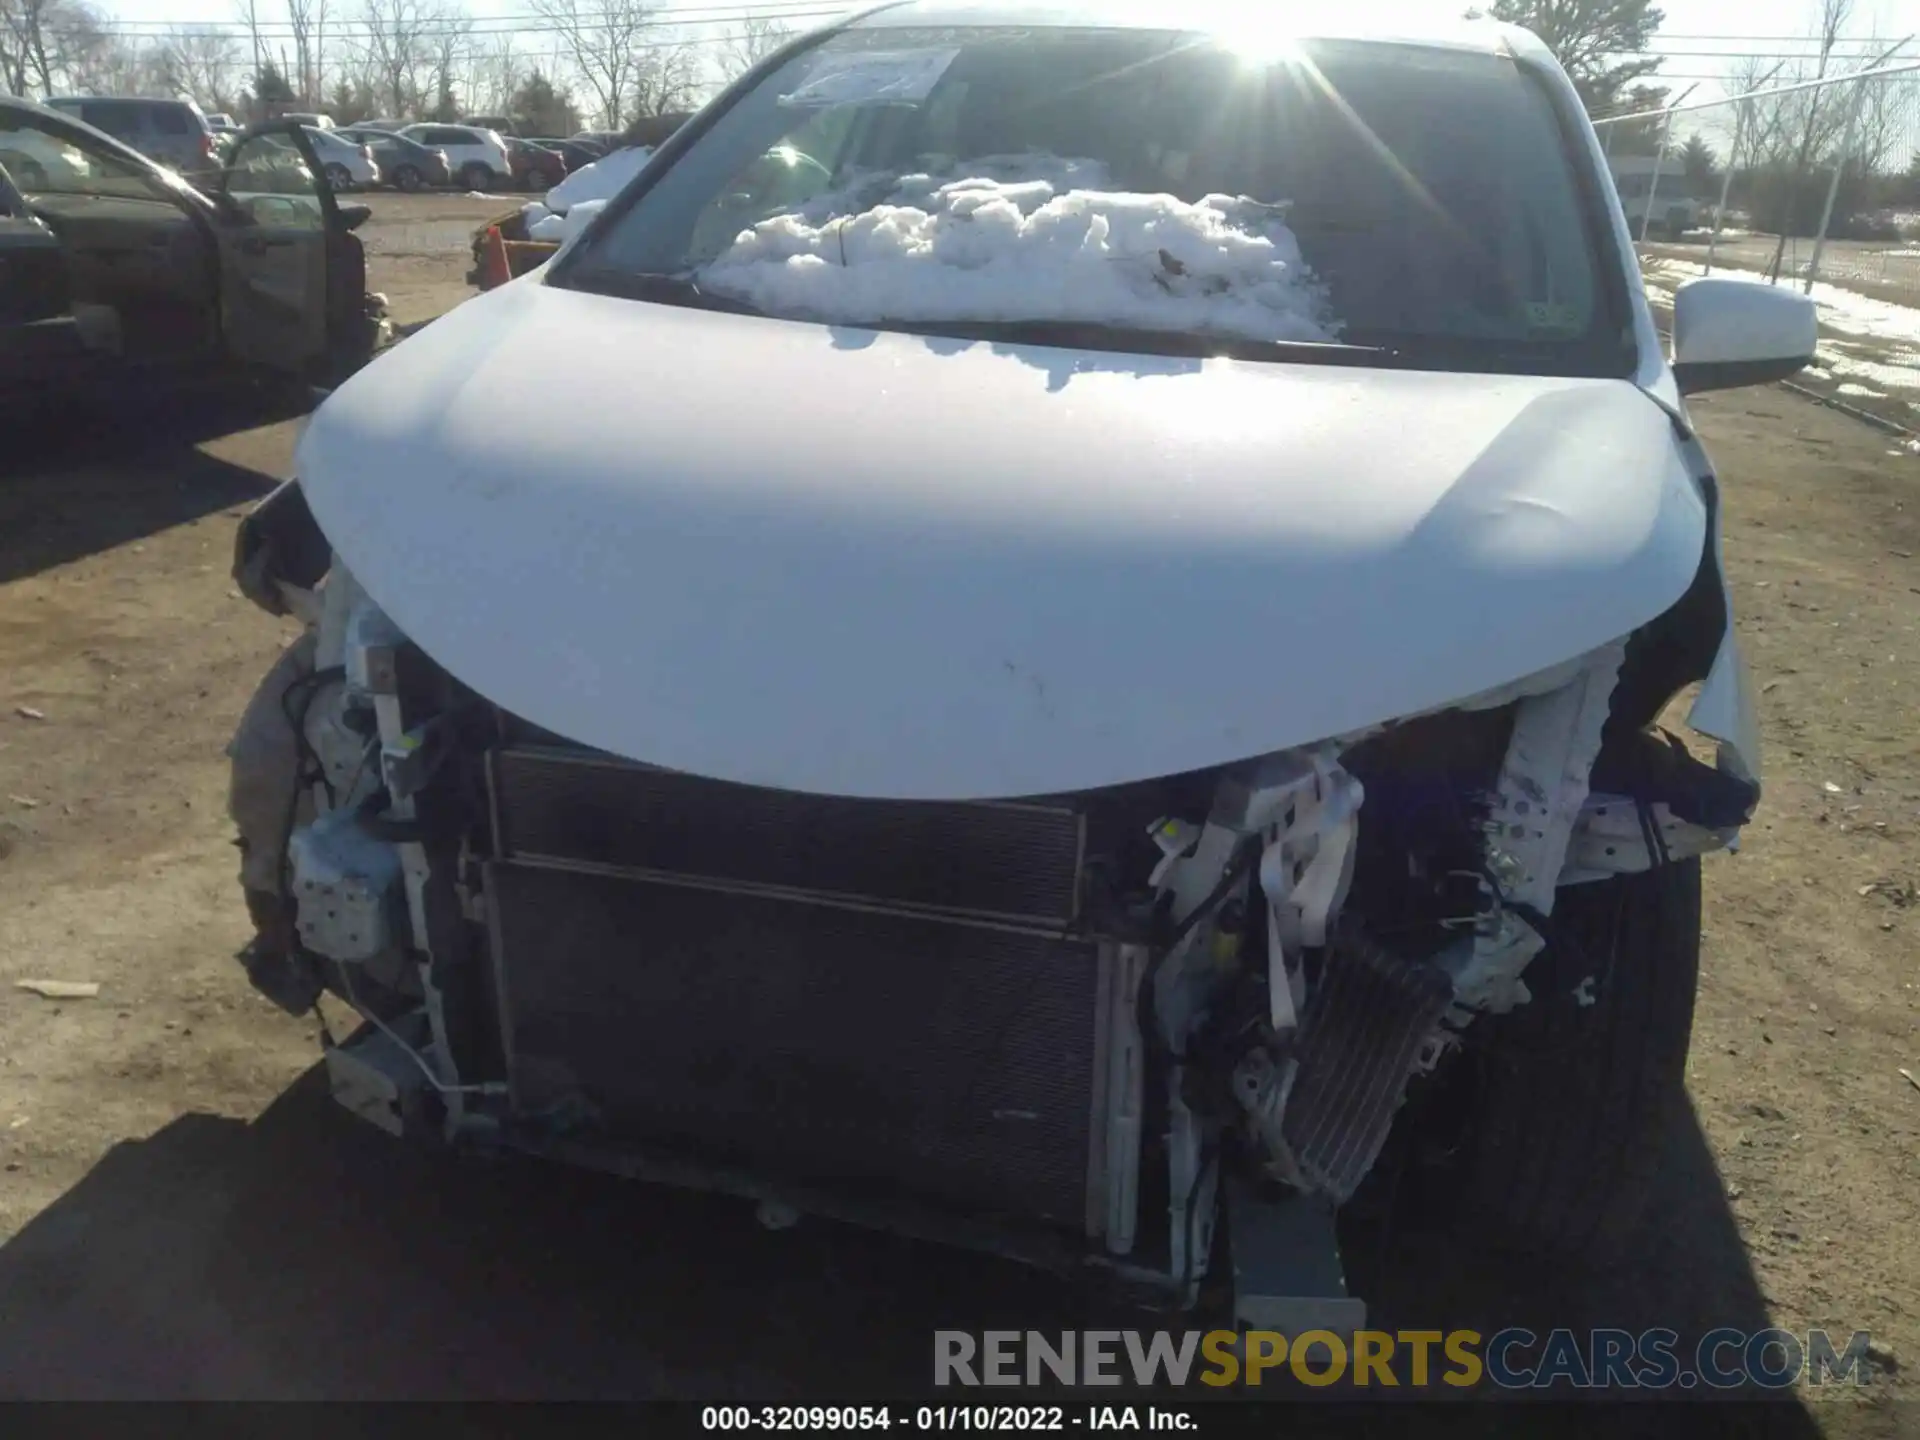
{"x":1089,"y":659}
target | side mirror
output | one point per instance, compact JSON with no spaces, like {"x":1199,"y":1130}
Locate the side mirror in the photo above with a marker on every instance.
{"x":352,"y":217}
{"x":1728,"y":333}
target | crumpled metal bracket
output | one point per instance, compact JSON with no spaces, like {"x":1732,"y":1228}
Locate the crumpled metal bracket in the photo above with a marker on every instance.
{"x":1536,"y":805}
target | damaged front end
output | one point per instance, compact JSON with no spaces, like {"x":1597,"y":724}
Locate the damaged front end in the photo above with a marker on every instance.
{"x":1073,"y":1028}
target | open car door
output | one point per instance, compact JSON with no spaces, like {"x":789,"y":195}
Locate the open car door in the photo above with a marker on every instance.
{"x":277,"y":219}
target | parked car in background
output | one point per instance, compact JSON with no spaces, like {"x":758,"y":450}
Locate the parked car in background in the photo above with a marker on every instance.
{"x":221,"y":121}
{"x":349,"y":164}
{"x":319,"y":120}
{"x":573,"y":153}
{"x":1673,"y":210}
{"x":37,"y":160}
{"x":534,"y":166}
{"x":173,"y":133}
{"x":404,"y":164}
{"x":604,"y":139}
{"x":154,"y":276}
{"x":652,"y":130}
{"x":479,"y":157}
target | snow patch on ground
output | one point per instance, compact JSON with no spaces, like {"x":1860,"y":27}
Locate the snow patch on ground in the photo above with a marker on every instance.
{"x":1892,"y":331}
{"x":1028,"y":238}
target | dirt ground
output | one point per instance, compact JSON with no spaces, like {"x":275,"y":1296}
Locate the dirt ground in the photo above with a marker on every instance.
{"x":190,"y":1218}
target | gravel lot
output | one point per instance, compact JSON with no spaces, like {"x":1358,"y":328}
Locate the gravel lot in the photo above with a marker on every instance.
{"x":190,"y":1218}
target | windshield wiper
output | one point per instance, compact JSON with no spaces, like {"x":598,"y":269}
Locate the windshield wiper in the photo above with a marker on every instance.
{"x":657,"y":286}
{"x":1145,"y":339}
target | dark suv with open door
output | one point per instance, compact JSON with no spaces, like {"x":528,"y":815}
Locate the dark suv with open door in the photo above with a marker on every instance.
{"x":260,"y":269}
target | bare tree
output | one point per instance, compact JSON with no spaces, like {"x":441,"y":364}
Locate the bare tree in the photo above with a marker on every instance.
{"x":203,"y":63}
{"x":16,"y":29}
{"x":308,"y":21}
{"x":450,"y":39}
{"x":45,"y":43}
{"x":398,"y":39}
{"x":1791,"y":132}
{"x":249,"y":13}
{"x":108,"y":64}
{"x":666,"y":79}
{"x":756,"y":38}
{"x":1884,"y":119}
{"x":494,"y":75}
{"x":614,"y":46}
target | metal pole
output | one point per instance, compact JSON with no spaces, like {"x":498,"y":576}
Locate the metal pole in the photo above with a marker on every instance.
{"x":1726,"y":182}
{"x":1833,"y":189}
{"x":1840,"y":164}
{"x":1659,"y":159}
{"x":1653,"y":184}
{"x":1742,"y":113}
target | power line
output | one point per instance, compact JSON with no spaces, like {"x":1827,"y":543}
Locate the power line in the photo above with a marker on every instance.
{"x":1776,"y":39}
{"x":1743,"y":54}
{"x":243,"y":37}
{"x":778,"y":11}
{"x":661,"y":15}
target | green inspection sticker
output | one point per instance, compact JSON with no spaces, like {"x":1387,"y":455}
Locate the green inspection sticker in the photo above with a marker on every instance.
{"x":1553,"y":319}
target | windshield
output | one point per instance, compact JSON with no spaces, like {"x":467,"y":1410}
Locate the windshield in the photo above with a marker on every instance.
{"x":1413,"y":199}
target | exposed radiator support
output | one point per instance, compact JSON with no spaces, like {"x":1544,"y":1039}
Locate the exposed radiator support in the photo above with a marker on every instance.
{"x":825,"y":991}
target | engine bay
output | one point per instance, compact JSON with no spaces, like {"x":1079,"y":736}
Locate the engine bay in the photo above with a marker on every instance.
{"x":1077,"y":1029}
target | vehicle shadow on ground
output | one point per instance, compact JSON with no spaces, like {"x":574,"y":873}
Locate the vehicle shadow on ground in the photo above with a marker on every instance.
{"x":307,"y":1256}
{"x":87,"y":480}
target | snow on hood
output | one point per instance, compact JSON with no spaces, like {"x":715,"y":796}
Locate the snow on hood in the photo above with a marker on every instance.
{"x":1028,"y":238}
{"x":831,"y":559}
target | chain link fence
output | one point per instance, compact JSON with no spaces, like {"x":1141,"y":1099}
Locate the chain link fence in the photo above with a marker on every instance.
{"x":1806,"y":181}
{"x":1814,"y":184}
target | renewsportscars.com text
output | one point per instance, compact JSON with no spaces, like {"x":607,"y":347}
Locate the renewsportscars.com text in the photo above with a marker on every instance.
{"x":1510,"y":1359}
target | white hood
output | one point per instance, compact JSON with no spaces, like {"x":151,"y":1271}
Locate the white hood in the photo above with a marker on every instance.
{"x":875,"y":564}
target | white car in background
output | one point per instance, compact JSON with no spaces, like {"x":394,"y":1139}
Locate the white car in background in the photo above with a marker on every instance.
{"x":349,"y":165}
{"x":478,"y":158}
{"x":38,"y":161}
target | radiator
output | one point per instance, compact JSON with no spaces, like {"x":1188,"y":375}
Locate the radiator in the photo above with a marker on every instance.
{"x":885,"y":996}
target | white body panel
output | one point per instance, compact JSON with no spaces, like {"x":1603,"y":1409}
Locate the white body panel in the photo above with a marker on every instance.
{"x":874,"y":564}
{"x":1717,"y":321}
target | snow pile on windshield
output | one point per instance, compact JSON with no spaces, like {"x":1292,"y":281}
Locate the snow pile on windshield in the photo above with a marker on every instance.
{"x":583,"y":194}
{"x":1028,"y":238}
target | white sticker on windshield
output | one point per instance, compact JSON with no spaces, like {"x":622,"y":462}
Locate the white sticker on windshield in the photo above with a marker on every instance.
{"x":866,"y":77}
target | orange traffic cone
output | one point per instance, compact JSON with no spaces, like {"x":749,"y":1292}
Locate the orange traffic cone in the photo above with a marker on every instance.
{"x":494,"y":267}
